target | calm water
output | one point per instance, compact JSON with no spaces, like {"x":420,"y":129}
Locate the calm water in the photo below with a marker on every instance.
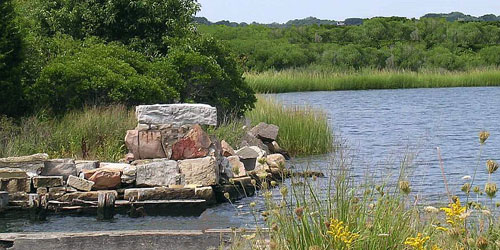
{"x":381,"y":126}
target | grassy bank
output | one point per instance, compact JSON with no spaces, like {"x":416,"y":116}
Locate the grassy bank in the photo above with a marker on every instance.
{"x":98,"y":133}
{"x":341,"y":212}
{"x":296,"y":80}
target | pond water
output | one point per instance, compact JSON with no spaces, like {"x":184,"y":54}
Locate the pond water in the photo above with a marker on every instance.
{"x":380,"y":126}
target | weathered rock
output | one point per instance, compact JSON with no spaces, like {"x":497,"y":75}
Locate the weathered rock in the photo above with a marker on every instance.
{"x":146,"y":144}
{"x":205,"y":193}
{"x":86,"y":196}
{"x":250,"y":140}
{"x":105,"y":179}
{"x":261,"y":165}
{"x":237,"y":167}
{"x":21,"y":197}
{"x":157,"y":173}
{"x":276,"y":160}
{"x":4,"y":199}
{"x":60,"y":167}
{"x":265,"y":131}
{"x":247,"y":153}
{"x":6,"y":173}
{"x":79,"y":183}
{"x":227,"y":150}
{"x":158,"y":193}
{"x":129,"y":174}
{"x":195,"y":144}
{"x":225,"y":168}
{"x":201,"y":171}
{"x":42,"y":190}
{"x":261,"y":153}
{"x":176,"y":114}
{"x":113,"y":166}
{"x":47,"y":181}
{"x":85,"y":165}
{"x":170,"y":135}
{"x":31,"y":164}
{"x":16,"y":184}
{"x":56,"y":192}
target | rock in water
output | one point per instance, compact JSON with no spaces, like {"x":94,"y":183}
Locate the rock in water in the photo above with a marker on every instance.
{"x":265,"y":132}
{"x":105,"y":179}
{"x":195,"y":144}
{"x":157,"y":173}
{"x":79,"y":183}
{"x":201,"y":171}
{"x":60,"y":167}
{"x":176,"y":114}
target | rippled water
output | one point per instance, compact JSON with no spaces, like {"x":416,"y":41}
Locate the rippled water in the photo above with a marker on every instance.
{"x":381,"y":126}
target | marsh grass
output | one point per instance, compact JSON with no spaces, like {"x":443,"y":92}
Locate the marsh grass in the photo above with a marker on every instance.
{"x":296,"y":80}
{"x":303,"y":130}
{"x":93,"y":133}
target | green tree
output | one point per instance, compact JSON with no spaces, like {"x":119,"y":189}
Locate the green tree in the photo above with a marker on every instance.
{"x":11,"y":46}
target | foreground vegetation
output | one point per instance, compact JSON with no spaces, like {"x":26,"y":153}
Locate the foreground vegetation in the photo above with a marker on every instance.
{"x":346,"y":213}
{"x":310,"y":79}
{"x":97,"y":133}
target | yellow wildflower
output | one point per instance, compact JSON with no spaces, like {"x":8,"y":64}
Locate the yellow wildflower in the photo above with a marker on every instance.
{"x":444,"y":229}
{"x":341,"y":233}
{"x":454,"y":213}
{"x":483,"y":136}
{"x":436,"y":247}
{"x":417,"y":242}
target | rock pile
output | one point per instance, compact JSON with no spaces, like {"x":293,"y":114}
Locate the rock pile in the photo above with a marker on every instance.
{"x":170,"y":157}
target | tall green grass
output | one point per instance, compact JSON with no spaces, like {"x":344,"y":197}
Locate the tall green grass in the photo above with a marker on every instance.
{"x":296,"y":80}
{"x":94,"y":133}
{"x":303,"y":130}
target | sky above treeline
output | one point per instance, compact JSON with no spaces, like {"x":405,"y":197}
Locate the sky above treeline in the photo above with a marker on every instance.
{"x":268,"y":11}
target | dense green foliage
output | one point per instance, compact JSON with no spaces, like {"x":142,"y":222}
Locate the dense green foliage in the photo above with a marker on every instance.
{"x":131,"y":52}
{"x":10,"y":60}
{"x":379,"y":43}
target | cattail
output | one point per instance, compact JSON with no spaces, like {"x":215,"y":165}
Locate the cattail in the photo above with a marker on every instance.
{"x":404,"y":186}
{"x":492,"y":166}
{"x":490,"y":189}
{"x":483,"y":136}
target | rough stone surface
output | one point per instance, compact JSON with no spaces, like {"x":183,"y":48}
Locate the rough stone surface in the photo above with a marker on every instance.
{"x":250,"y":140}
{"x":170,"y":135}
{"x":201,"y":171}
{"x":129,"y":174}
{"x":113,"y":166}
{"x":79,"y":183}
{"x":177,"y":114}
{"x":262,"y":153}
{"x":42,"y":190}
{"x":31,"y":164}
{"x":225,"y":168}
{"x":4,"y":199}
{"x":17,"y":184}
{"x":157,"y":173}
{"x":59,"y":167}
{"x":158,"y":193}
{"x":237,"y":167}
{"x":205,"y":193}
{"x":265,"y":131}
{"x":56,"y":192}
{"x":275,"y":160}
{"x":47,"y":181}
{"x":6,"y":173}
{"x":247,"y":153}
{"x":105,"y":179}
{"x":227,"y":150}
{"x":145,"y":144}
{"x":85,"y":165}
{"x":86,"y":196}
{"x":195,"y":144}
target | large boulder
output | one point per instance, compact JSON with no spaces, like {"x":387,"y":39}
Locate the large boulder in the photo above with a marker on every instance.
{"x":158,"y":193}
{"x":265,"y":132}
{"x":105,"y":179}
{"x":161,"y":172}
{"x":31,"y":164}
{"x":195,"y":144}
{"x":60,"y":167}
{"x":249,"y":140}
{"x":145,"y":144}
{"x":227,"y":150}
{"x":176,"y":114}
{"x":276,"y":160}
{"x":170,"y":135}
{"x":201,"y":171}
{"x":47,"y":181}
{"x":79,"y":183}
{"x":237,"y":167}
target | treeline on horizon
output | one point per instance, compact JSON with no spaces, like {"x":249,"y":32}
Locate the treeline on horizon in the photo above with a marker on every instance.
{"x":381,"y":43}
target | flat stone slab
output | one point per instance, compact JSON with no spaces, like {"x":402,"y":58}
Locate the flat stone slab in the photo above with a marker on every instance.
{"x":159,"y":193}
{"x":6,"y":173}
{"x":79,"y":183}
{"x":86,"y":196}
{"x":60,"y":167}
{"x":47,"y":181}
{"x":176,"y":114}
{"x":13,"y":185}
{"x":31,"y":164}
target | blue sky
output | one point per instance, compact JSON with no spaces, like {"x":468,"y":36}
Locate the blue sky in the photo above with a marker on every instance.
{"x":267,"y":11}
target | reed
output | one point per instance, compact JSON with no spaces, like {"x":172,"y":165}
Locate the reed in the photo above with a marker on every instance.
{"x":297,"y":80}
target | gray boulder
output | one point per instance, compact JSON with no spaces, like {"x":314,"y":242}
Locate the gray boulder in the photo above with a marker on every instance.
{"x":176,"y":114}
{"x":265,"y":132}
{"x":160,"y":172}
{"x":60,"y":167}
